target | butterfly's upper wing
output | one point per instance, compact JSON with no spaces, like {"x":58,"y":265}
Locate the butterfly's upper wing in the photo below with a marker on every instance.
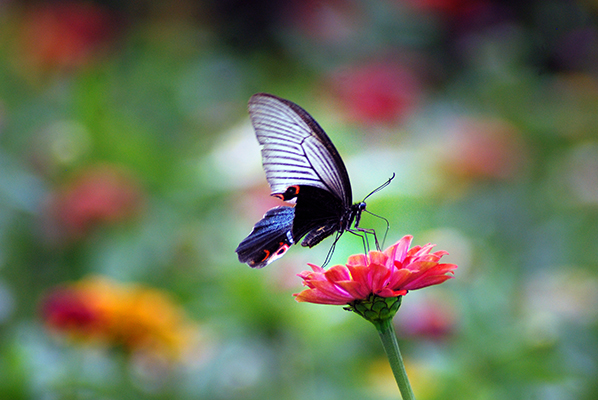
{"x":295,"y":149}
{"x":270,"y":238}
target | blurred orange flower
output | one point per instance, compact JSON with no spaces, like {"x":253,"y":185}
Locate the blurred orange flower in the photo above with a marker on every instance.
{"x":138,"y":318}
{"x":391,"y":273}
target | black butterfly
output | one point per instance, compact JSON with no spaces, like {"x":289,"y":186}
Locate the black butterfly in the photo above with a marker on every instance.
{"x":301,"y":165}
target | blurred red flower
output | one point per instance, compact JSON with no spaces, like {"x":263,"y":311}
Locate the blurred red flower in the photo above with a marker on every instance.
{"x":65,"y":309}
{"x":391,"y":273}
{"x":380,"y":92}
{"x":101,"y":194}
{"x":64,"y":35}
{"x":450,"y":8}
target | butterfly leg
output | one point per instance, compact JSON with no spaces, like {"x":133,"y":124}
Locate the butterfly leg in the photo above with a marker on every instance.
{"x":373,"y":232}
{"x":331,"y":251}
{"x":363,"y":234}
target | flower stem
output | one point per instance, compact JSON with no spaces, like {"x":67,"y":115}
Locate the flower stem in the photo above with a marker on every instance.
{"x":386,"y":331}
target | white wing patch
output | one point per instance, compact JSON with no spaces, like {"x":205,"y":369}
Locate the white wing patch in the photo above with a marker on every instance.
{"x":292,"y":152}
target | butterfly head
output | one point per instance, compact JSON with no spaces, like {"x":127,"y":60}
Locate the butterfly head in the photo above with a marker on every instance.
{"x":360,"y":206}
{"x":353,"y":215}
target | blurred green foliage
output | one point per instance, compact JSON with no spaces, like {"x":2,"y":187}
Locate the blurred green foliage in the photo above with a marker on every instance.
{"x":487,"y":111}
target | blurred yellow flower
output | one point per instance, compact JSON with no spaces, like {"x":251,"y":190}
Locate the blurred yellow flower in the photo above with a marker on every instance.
{"x":424,"y":378}
{"x":135,"y":317}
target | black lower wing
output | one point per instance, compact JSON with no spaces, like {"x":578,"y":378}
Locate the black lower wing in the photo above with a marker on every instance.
{"x":318,"y":214}
{"x":270,"y":238}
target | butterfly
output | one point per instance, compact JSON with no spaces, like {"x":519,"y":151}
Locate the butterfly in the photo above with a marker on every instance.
{"x":302,"y":166}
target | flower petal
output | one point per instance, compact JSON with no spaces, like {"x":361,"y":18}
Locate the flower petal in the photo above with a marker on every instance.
{"x":379,"y":276}
{"x":314,"y":296}
{"x":357,"y":260}
{"x":398,"y":251}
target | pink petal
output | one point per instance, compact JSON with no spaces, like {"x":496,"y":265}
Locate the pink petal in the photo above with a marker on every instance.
{"x":379,"y":276}
{"x":360,"y":275}
{"x":398,"y":278}
{"x":357,"y":260}
{"x":386,"y":292}
{"x":377,"y":257}
{"x":398,"y":251}
{"x":426,"y":281}
{"x":356,"y":290}
{"x":313,"y":296}
{"x":433,"y":275}
{"x":337,"y":273}
{"x":328,"y":288}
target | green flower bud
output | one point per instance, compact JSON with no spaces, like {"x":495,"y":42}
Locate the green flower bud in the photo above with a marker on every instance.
{"x":376,"y":308}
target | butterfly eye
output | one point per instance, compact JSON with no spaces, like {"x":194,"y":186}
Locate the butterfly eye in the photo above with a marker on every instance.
{"x":290,"y":193}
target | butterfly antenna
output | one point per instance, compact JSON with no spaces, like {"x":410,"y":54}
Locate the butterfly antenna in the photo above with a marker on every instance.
{"x":372,"y":231}
{"x":385,"y":184}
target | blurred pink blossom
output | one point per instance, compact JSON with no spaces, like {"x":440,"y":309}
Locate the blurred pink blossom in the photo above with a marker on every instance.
{"x":450,"y":8}
{"x":101,"y":194}
{"x":430,"y":318}
{"x":328,"y":21}
{"x":483,"y":149}
{"x":378,"y":92}
{"x":64,"y":35}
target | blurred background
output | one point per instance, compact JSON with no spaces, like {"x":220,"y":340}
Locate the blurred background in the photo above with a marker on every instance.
{"x":129,"y":172}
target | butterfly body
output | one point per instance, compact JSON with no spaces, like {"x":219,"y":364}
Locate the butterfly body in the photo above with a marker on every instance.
{"x":303,"y":166}
{"x":319,"y":214}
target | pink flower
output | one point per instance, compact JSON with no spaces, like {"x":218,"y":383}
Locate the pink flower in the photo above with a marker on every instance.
{"x":391,"y":273}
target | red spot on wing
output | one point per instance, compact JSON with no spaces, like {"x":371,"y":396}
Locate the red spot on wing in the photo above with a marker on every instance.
{"x":266,"y":256}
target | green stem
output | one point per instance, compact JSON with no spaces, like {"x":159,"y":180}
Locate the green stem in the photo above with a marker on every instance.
{"x":391,"y":347}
